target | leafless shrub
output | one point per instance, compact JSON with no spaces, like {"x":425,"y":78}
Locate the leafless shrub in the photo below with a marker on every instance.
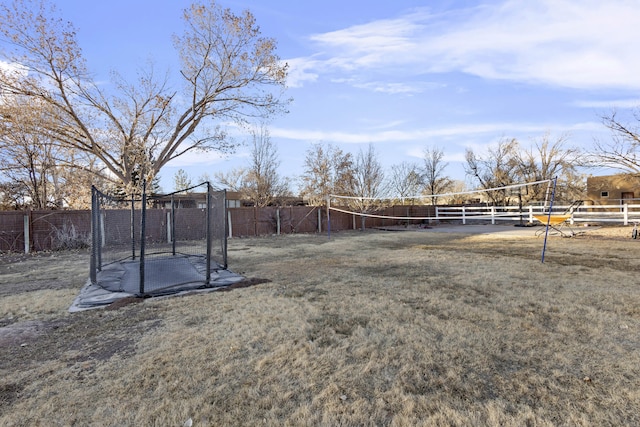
{"x":67,"y":237}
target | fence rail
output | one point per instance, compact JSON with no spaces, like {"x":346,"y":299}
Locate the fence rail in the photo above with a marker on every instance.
{"x":623,"y":214}
{"x":26,"y":231}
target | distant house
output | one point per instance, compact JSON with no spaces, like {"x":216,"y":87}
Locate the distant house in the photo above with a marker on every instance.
{"x":195,"y":200}
{"x":613,"y":189}
{"x":234,"y":200}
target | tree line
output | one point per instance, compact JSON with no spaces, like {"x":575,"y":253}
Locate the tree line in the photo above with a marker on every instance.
{"x":62,"y":129}
{"x":328,"y":170}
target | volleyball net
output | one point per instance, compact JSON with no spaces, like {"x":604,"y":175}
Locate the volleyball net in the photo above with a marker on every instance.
{"x":490,"y":204}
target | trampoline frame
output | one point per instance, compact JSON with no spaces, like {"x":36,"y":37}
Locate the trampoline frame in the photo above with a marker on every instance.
{"x":215,"y":205}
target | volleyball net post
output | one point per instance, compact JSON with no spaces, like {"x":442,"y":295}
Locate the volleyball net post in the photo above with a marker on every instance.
{"x":552,"y":184}
{"x":328,"y":217}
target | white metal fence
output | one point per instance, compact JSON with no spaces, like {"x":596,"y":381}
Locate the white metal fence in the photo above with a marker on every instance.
{"x":622,"y":214}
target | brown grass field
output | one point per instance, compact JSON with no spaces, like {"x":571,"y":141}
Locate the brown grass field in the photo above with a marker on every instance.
{"x":365,"y":329}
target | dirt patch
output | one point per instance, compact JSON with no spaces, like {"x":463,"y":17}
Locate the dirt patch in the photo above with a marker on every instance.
{"x":23,"y":333}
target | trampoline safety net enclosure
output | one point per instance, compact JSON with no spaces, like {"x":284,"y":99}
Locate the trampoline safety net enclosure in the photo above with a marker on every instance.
{"x":158,"y":244}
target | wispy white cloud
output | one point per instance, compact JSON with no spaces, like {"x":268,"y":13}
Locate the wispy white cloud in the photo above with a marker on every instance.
{"x":567,"y":43}
{"x":301,"y":71}
{"x":609,"y":104}
{"x":452,"y":131}
{"x":394,"y":88}
{"x":13,"y":68}
{"x":192,"y":158}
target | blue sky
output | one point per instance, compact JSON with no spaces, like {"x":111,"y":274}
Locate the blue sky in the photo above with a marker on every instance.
{"x":406,"y":75}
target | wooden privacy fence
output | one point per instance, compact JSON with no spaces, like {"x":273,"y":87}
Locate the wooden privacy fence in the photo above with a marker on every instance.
{"x":26,"y":231}
{"x":253,"y":221}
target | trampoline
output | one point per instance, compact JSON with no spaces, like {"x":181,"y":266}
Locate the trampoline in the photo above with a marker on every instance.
{"x":153,"y":246}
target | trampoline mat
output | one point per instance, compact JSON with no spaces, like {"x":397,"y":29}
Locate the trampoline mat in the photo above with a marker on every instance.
{"x":159,"y":274}
{"x":172,"y":275}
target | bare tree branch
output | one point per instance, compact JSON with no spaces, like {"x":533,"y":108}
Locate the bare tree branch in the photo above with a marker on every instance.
{"x":229,"y":71}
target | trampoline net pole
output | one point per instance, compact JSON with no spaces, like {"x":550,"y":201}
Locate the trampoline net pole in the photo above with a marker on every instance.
{"x":173,"y":226}
{"x":93,"y":273}
{"x":143,"y":210}
{"x":225,"y":231}
{"x":208,"y":231}
{"x":133,"y":228}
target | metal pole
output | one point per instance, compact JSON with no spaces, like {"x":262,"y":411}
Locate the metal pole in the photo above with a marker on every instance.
{"x":209,"y":230}
{"x":100,"y":219}
{"x":173,"y":227}
{"x":133,"y":228}
{"x":93,"y":275}
{"x":143,"y":214}
{"x":225,"y":231}
{"x":328,"y":218}
{"x":546,"y":232}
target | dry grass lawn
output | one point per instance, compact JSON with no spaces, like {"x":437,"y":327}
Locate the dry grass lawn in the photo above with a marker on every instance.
{"x":368,"y":328}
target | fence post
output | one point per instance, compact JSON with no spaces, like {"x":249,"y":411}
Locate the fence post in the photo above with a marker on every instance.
{"x":255,"y":221}
{"x":531,"y":213}
{"x":493,"y":215}
{"x":437,"y":214}
{"x":169,"y":234}
{"x":464,"y":216}
{"x":625,"y":211}
{"x":229,"y":225}
{"x":278,"y":221}
{"x":27,"y":236}
{"x":319,"y":220}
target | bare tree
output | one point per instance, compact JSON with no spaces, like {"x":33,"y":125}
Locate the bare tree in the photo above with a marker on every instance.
{"x":457,"y":190}
{"x":508,"y":164}
{"x":547,"y":159}
{"x":181,"y":181}
{"x":435,"y":182}
{"x":622,"y":152}
{"x":43,"y":172}
{"x":13,"y":195}
{"x":368,"y":181}
{"x":229,"y":73}
{"x":76,"y":175}
{"x":262,"y":182}
{"x":233,"y":180}
{"x":328,"y":170}
{"x":27,"y":161}
{"x":405,"y":181}
{"x":498,"y":168}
